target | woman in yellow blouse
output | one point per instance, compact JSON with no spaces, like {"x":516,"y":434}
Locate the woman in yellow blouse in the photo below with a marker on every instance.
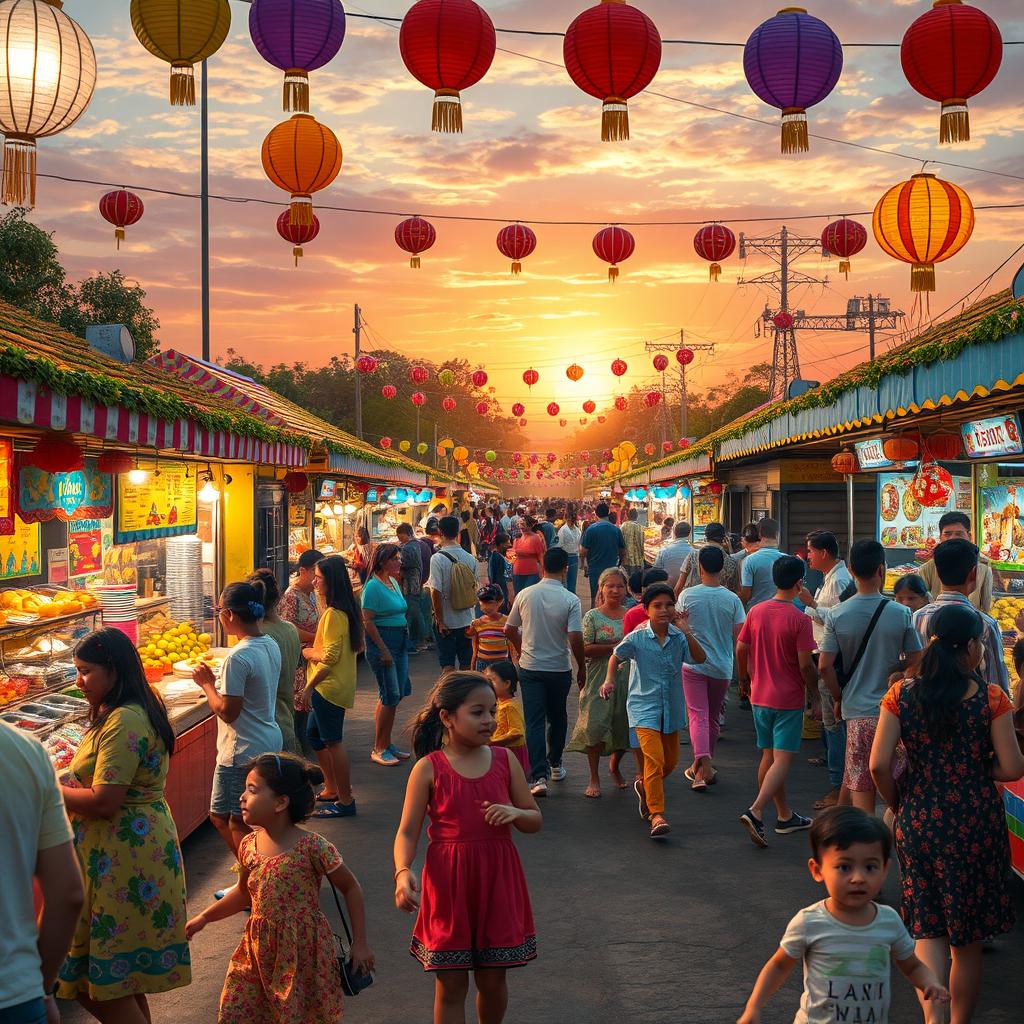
{"x":331,"y":682}
{"x":130,"y":940}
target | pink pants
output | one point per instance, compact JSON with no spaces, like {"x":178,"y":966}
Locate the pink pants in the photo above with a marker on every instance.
{"x":704,"y":698}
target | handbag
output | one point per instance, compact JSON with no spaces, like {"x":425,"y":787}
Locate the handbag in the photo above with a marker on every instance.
{"x":844,"y":675}
{"x":352,"y":982}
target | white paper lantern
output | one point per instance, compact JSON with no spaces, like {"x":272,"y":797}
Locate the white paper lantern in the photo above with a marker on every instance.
{"x":47,"y":77}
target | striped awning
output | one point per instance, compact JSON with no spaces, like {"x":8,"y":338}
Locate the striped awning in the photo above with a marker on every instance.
{"x":32,"y":405}
{"x":697,"y":466}
{"x":351,"y":466}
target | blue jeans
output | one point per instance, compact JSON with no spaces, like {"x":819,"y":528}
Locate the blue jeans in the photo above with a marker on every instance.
{"x":526,"y":579}
{"x":455,"y":645}
{"x":571,"y":573}
{"x":31,"y":1012}
{"x":426,"y":614}
{"x":414,"y":620}
{"x":835,"y":752}
{"x":392,"y":680}
{"x":544,"y":697}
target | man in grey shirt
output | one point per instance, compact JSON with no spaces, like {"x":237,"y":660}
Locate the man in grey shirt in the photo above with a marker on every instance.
{"x":544,"y":625}
{"x":893,"y":646}
{"x":453,"y":640}
{"x":671,"y":556}
{"x":756,"y":582}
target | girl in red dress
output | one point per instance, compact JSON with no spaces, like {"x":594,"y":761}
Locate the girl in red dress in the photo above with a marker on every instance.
{"x":474,"y":908}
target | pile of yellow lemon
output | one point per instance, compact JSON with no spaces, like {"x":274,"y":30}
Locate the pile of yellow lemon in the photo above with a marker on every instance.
{"x":1005,"y":611}
{"x":175,"y":644}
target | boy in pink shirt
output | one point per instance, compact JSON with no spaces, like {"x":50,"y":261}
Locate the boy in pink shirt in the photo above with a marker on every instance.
{"x":777,"y":672}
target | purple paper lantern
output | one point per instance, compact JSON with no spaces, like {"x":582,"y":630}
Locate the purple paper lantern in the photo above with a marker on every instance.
{"x":793,"y":61}
{"x":297,"y":36}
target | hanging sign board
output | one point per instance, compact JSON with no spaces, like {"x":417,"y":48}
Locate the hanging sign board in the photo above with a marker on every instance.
{"x":994,"y":436}
{"x":328,"y":490}
{"x":808,"y":471}
{"x":871,"y":455}
{"x":19,"y":553}
{"x":162,"y":506}
{"x":83,"y":494}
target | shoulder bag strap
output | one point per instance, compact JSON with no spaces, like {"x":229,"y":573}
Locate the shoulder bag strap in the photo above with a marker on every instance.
{"x":867,"y":636}
{"x":341,"y":913}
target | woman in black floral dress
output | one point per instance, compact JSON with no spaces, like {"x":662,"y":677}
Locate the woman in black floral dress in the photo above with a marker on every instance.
{"x":950,"y":826}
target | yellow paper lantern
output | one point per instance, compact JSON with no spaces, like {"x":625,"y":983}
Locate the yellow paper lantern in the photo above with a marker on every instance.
{"x":182,"y":33}
{"x":404,"y":446}
{"x":923,"y":221}
{"x":47,"y":77}
{"x":460,"y":454}
{"x":446,"y":442}
{"x":473,"y":469}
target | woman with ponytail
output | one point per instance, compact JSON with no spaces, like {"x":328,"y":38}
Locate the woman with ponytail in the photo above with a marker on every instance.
{"x":243,"y":697}
{"x":950,"y":826}
{"x":285,"y":969}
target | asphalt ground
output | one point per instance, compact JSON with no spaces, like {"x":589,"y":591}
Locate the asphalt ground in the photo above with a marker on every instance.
{"x":629,"y":929}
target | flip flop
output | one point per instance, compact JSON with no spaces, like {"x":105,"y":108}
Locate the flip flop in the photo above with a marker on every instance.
{"x":826,"y":801}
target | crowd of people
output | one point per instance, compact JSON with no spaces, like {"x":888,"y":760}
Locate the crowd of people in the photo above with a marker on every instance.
{"x":912,"y":694}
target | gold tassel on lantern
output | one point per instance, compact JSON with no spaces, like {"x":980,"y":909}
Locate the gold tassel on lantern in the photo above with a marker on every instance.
{"x":715,"y":271}
{"x":613,"y":273}
{"x":844,"y":268}
{"x":414,"y":262}
{"x":517,"y":268}
{"x":183,"y":85}
{"x":300,"y":212}
{"x":447,"y":112}
{"x":296,"y":90}
{"x":119,"y":235}
{"x":794,"y":130}
{"x":297,"y":253}
{"x":955,"y":122}
{"x":19,"y":170}
{"x":614,"y":120}
{"x":922,"y":277}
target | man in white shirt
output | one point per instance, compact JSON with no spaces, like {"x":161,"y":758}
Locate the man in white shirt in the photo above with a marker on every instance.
{"x":671,"y":556}
{"x":544,"y":625}
{"x":823,"y":555}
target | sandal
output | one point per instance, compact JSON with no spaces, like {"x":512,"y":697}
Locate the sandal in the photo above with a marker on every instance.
{"x":324,"y":799}
{"x":828,"y":800}
{"x":817,"y":762}
{"x":335,"y":811}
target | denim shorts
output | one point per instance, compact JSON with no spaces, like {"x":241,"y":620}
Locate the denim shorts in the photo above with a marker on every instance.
{"x":392,"y":680}
{"x":778,"y":730}
{"x":228,"y":787}
{"x":326,"y":723}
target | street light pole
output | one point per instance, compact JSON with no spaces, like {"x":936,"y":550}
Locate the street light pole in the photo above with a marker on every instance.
{"x":357,"y":324}
{"x":204,"y":208}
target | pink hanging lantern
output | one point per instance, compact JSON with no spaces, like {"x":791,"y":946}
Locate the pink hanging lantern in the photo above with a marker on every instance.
{"x":652,"y":398}
{"x":481,"y":408}
{"x":553,"y":409}
{"x":660,"y":363}
{"x":621,"y":403}
{"x":518,"y":409}
{"x":619,"y":367}
{"x":479,"y":378}
{"x":783,"y":320}
{"x":419,"y":375}
{"x":366,"y":364}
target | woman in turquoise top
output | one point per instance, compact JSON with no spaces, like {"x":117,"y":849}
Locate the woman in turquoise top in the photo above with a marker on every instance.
{"x":387,"y":647}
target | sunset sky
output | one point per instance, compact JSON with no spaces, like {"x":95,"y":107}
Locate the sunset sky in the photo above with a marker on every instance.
{"x":531,"y":151}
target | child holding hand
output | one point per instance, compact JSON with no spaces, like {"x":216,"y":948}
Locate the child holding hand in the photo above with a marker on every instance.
{"x":510,"y":727}
{"x":474,"y":908}
{"x":846,"y":940}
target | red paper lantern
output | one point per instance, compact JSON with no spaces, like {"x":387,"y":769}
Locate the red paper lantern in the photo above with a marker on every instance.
{"x":552,"y":457}
{"x":660,"y":363}
{"x":648,"y":448}
{"x":652,"y":398}
{"x":715,"y":488}
{"x":932,"y":485}
{"x":534,"y":458}
{"x":574,"y":372}
{"x":614,"y":245}
{"x":563,"y":423}
{"x":684,"y":442}
{"x":481,"y":408}
{"x":385,"y":442}
{"x":667,"y":446}
{"x":448,"y":45}
{"x":950,"y":54}
{"x":115,"y":462}
{"x":684,"y":356}
{"x":516,"y":242}
{"x":415,"y":235}
{"x":553,"y":409}
{"x":619,"y":367}
{"x":783,"y":320}
{"x":612,"y":51}
{"x":419,"y":375}
{"x":601,"y":419}
{"x":589,"y":406}
{"x":945,"y":446}
{"x":448,"y":403}
{"x":297,"y":234}
{"x":621,"y":403}
{"x":714,"y":243}
{"x":295,"y":483}
{"x":418,"y":398}
{"x":900,"y":449}
{"x":389,"y":391}
{"x":517,"y":457}
{"x":366,"y":364}
{"x":518,"y":409}
{"x":530,"y":377}
{"x":121,"y":208}
{"x":479,"y":378}
{"x":845,"y":463}
{"x":844,"y":238}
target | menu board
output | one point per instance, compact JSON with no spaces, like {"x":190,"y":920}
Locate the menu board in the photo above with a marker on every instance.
{"x":1002,"y":523}
{"x":903,"y":523}
{"x":81,"y":494}
{"x":19,"y":552}
{"x":162,"y":506}
{"x":997,"y":435}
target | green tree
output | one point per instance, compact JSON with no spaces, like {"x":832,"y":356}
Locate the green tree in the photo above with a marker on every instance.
{"x":111,"y":299}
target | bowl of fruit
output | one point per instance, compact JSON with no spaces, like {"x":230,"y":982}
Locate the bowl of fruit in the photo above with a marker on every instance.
{"x":176,"y":643}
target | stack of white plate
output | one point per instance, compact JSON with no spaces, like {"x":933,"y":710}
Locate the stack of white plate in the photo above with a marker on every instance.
{"x":118,"y":603}
{"x":185,"y":578}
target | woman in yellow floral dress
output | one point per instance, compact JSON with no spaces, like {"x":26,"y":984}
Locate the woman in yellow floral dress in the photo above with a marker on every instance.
{"x":130,"y":940}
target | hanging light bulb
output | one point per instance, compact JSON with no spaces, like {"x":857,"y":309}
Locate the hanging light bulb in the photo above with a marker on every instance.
{"x":208,"y":492}
{"x":137,"y":475}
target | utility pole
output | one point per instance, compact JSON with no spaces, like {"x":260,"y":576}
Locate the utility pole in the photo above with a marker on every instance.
{"x":204,"y":208}
{"x":357,"y":320}
{"x":863,"y":313}
{"x":653,"y":346}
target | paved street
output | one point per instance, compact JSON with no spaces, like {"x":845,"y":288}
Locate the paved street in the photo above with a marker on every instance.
{"x":628,"y":929}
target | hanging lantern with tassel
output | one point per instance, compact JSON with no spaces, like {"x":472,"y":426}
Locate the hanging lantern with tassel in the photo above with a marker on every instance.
{"x":530,"y":377}
{"x":389,"y":391}
{"x":295,"y":483}
{"x":415,"y":235}
{"x":301,"y":156}
{"x":714,"y":243}
{"x":516,"y":242}
{"x":122,"y":209}
{"x":297,"y":234}
{"x":574,"y":372}
{"x":614,"y":245}
{"x":843,"y":238}
{"x":518,"y":409}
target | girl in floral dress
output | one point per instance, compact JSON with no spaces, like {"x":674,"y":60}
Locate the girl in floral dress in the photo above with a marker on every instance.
{"x":284,"y":970}
{"x":474,"y":908}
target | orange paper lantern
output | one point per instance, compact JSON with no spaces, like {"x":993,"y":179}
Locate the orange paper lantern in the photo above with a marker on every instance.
{"x":301,"y":156}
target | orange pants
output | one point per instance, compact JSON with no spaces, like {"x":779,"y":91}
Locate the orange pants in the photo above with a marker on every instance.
{"x":660,"y":756}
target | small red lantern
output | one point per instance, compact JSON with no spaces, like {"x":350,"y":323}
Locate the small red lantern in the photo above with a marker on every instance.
{"x":684,"y":356}
{"x":621,"y":403}
{"x":552,"y":457}
{"x":522,"y":422}
{"x":481,"y":408}
{"x":652,"y":398}
{"x":844,"y":238}
{"x":366,"y":364}
{"x":479,"y":378}
{"x":534,"y":458}
{"x":415,"y":235}
{"x":900,"y":449}
{"x":389,"y":391}
{"x":385,"y":442}
{"x":574,"y":372}
{"x":648,"y":448}
{"x":297,"y":234}
{"x":418,"y":398}
{"x":448,"y":403}
{"x":614,"y":245}
{"x":122,"y":209}
{"x":518,"y":409}
{"x":295,"y":483}
{"x":684,"y":442}
{"x":783,"y":320}
{"x":932,"y":485}
{"x":516,"y":242}
{"x":944,"y":446}
{"x":419,"y":375}
{"x":553,"y":409}
{"x":601,"y":419}
{"x":563,"y":423}
{"x":714,"y":243}
{"x":845,"y":463}
{"x":589,"y":406}
{"x":530,"y":377}
{"x":667,"y":446}
{"x":115,"y":462}
{"x":517,"y":457}
{"x":660,"y":363}
{"x":715,"y":488}
{"x":619,"y":367}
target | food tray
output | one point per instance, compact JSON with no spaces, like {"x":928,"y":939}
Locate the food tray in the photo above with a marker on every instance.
{"x":39,"y":710}
{"x":28,"y":723}
{"x":61,"y":702}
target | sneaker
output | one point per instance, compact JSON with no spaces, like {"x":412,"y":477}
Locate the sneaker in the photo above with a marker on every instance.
{"x":557,"y":773}
{"x":384,"y":757}
{"x":539,"y":788}
{"x":659,"y":827}
{"x":638,"y":788}
{"x":794,"y":823}
{"x":755,"y":826}
{"x":402,"y":755}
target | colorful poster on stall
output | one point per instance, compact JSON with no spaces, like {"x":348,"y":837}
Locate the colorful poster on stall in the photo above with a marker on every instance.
{"x":20,"y":552}
{"x":84,"y":494}
{"x":992,"y":437}
{"x":905,"y":524}
{"x":162,"y":506}
{"x":85,"y":547}
{"x":328,"y":490}
{"x":871,"y":454}
{"x":1002,"y":523}
{"x":6,"y":488}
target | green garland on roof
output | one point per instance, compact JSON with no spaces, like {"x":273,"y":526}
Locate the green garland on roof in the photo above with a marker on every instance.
{"x":367,"y":454}
{"x":100,"y":389}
